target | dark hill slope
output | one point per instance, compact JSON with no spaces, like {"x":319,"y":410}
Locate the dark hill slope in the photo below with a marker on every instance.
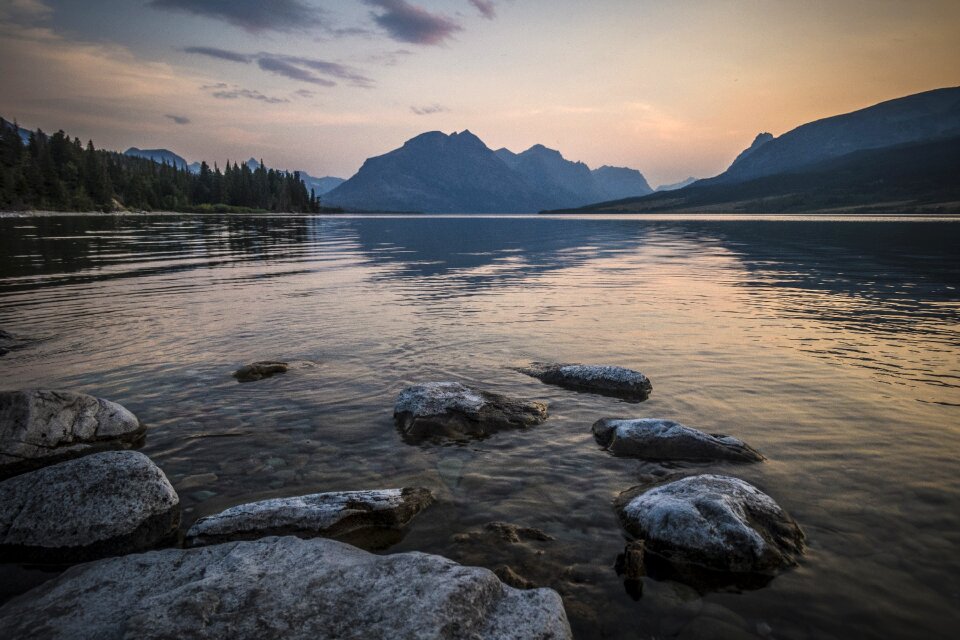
{"x":902,"y":179}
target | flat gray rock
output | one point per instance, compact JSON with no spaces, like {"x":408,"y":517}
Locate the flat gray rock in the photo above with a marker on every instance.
{"x":38,"y":428}
{"x":656,"y":439}
{"x":716,"y":522}
{"x":104,"y":504}
{"x":454,"y":410}
{"x":283,"y":588}
{"x":607,"y":380}
{"x":321,"y":514}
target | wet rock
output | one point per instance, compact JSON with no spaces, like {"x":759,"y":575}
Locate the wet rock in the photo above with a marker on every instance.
{"x":630,"y":564}
{"x":656,"y":439}
{"x":454,"y":410}
{"x":514,"y":533}
{"x":607,"y":380}
{"x":38,"y":428}
{"x":260,"y":370}
{"x":720,"y":523}
{"x":104,"y":504}
{"x":282,"y":587}
{"x":511,"y":578}
{"x":321,"y":514}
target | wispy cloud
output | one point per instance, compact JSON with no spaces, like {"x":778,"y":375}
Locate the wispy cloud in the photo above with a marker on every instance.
{"x":178,"y":119}
{"x":254,"y":16}
{"x":487,"y":8}
{"x":25,"y":10}
{"x":406,"y":22}
{"x":224,"y":91}
{"x":287,"y":69}
{"x":296,"y":68}
{"x":222,"y":54}
{"x":428,"y":109}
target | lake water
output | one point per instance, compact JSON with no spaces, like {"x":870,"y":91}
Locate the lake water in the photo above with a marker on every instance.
{"x":832,"y":346}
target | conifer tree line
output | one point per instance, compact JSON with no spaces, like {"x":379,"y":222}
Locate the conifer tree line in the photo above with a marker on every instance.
{"x":53,"y":172}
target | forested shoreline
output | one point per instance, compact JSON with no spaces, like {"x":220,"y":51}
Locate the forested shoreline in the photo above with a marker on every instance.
{"x":57,"y":173}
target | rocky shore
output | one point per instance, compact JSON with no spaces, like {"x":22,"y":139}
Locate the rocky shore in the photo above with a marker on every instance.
{"x":74,"y":492}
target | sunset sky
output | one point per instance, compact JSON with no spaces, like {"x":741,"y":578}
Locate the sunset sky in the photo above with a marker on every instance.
{"x":672,"y":88}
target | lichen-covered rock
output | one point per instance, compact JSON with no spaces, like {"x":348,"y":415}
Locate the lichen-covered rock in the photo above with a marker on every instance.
{"x":104,"y":504}
{"x":716,"y":522}
{"x":38,"y":428}
{"x":260,"y":370}
{"x":656,"y":439}
{"x":607,"y":380}
{"x":321,"y":514}
{"x":282,"y":588}
{"x":454,"y":410}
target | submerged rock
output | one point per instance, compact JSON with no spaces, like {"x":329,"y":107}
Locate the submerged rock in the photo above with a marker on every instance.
{"x":38,"y":428}
{"x":506,"y":532}
{"x":455,"y":410}
{"x":283,"y":587}
{"x":716,"y":522}
{"x":260,"y":370}
{"x":657,"y":439}
{"x":104,"y":504}
{"x":607,"y":380}
{"x":320,"y":514}
{"x":7,"y":341}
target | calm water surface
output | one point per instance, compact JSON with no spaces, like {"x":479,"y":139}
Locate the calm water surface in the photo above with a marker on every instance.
{"x":831,"y":346}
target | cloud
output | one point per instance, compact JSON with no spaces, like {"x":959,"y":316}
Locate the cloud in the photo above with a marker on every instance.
{"x":409,"y":23}
{"x":221,"y":54}
{"x":254,"y":16}
{"x":389,"y":58}
{"x":487,"y":8}
{"x":304,"y":93}
{"x":332,"y":69}
{"x":223,"y":91}
{"x":178,"y":119}
{"x":25,"y":10}
{"x":293,"y":67}
{"x":287,"y":69}
{"x":429,"y":109}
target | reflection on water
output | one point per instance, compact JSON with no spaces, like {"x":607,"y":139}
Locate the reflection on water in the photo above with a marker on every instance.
{"x":830,"y":346}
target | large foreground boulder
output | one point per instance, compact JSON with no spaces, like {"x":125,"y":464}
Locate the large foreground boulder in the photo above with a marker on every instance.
{"x":321,"y":514}
{"x":454,"y":410}
{"x":282,"y":588}
{"x":716,"y":522}
{"x":104,"y":504}
{"x":656,"y":439}
{"x":607,"y":380}
{"x":38,"y":428}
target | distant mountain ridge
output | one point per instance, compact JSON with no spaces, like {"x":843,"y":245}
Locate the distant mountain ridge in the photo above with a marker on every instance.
{"x":923,"y":116}
{"x":457,"y":173}
{"x":160,"y":156}
{"x":902,"y":155}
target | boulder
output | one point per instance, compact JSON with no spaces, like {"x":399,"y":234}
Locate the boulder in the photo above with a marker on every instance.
{"x":716,"y":522}
{"x":260,"y":370}
{"x":38,"y":428}
{"x":454,"y":410}
{"x":321,"y":514}
{"x":607,"y":380}
{"x":104,"y":504}
{"x":656,"y":439}
{"x":282,"y":588}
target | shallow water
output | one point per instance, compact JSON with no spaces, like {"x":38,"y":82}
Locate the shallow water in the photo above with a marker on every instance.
{"x":832,"y":346}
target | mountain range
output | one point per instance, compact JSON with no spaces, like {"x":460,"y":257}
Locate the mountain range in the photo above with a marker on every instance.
{"x":457,"y":173}
{"x":902,"y":155}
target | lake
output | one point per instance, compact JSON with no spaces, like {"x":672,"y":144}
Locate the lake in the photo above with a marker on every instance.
{"x":831,"y":345}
